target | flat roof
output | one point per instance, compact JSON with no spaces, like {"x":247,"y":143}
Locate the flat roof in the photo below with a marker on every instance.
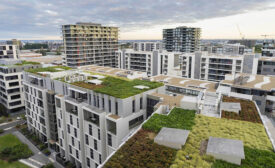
{"x":188,"y":83}
{"x":260,"y":82}
{"x":168,"y":99}
{"x":108,"y":70}
{"x":267,"y":58}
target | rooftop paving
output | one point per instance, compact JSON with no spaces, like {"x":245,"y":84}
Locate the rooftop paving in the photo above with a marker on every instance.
{"x":257,"y":146}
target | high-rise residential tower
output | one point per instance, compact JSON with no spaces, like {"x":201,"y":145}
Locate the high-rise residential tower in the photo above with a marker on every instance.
{"x":181,"y":39}
{"x":90,"y":43}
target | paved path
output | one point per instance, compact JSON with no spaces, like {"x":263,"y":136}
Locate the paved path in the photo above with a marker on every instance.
{"x":38,"y":159}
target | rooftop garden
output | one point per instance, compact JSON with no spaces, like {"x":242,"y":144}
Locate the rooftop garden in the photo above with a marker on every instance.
{"x":257,"y":146}
{"x":49,"y":69}
{"x":118,"y":87}
{"x":248,"y":111}
{"x":27,"y":63}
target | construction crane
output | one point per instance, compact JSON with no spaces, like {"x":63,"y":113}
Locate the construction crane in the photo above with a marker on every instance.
{"x":242,"y":36}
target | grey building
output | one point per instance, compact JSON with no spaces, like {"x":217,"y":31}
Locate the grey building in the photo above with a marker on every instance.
{"x":266,"y":66}
{"x":90,"y":43}
{"x":181,"y":39}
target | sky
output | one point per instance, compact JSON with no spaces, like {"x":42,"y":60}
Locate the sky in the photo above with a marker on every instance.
{"x":138,"y":19}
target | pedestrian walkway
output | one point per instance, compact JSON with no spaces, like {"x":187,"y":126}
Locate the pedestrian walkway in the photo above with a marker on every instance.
{"x":38,"y":159}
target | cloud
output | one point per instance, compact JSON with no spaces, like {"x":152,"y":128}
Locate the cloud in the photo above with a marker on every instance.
{"x":45,"y":17}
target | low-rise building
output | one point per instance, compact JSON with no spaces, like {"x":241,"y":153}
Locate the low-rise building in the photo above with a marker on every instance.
{"x":11,"y":94}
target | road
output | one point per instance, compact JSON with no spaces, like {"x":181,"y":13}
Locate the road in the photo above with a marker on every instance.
{"x":10,"y":126}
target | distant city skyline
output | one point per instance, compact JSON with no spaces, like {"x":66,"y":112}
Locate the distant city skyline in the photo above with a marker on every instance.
{"x":138,"y":20}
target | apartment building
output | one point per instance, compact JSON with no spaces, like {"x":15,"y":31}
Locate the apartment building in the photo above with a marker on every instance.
{"x":85,"y":113}
{"x":9,"y":51}
{"x":265,"y":66}
{"x":147,"y":46}
{"x":11,"y":94}
{"x":259,"y":88}
{"x":268,"y":49}
{"x":151,"y":62}
{"x":90,"y":44}
{"x":181,"y":39}
{"x":226,"y":49}
{"x":214,"y":67}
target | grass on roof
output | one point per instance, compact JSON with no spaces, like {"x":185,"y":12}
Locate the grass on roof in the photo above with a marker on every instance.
{"x":177,"y":118}
{"x":48,"y":69}
{"x":27,"y":63}
{"x":119,"y":88}
{"x":140,"y":152}
{"x":253,"y":136}
{"x":258,"y":148}
{"x":248,"y":111}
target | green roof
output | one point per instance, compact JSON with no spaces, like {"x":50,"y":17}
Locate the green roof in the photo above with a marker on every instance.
{"x":118,"y":87}
{"x":22,"y":64}
{"x":49,"y":69}
{"x":257,"y":146}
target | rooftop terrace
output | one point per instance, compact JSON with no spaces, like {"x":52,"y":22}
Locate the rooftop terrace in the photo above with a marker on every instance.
{"x":141,"y":151}
{"x":186,"y":83}
{"x":261,"y":82}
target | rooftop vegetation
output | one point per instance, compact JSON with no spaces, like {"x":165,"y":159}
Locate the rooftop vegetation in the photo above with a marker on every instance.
{"x":141,"y":151}
{"x":49,"y":69}
{"x":118,"y":87}
{"x":178,"y":118}
{"x":248,"y":111}
{"x":27,"y":63}
{"x":258,"y":148}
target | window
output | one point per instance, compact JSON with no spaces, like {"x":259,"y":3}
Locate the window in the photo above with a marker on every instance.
{"x":61,"y":143}
{"x":90,"y":129}
{"x":75,"y":132}
{"x":87,"y":139}
{"x":103,"y":103}
{"x":95,"y":144}
{"x":96,"y":165}
{"x":133,"y":106}
{"x":116,"y":108}
{"x":99,"y":158}
{"x":109,"y":139}
{"x":70,"y":149}
{"x":92,"y":153}
{"x":68,"y":127}
{"x":79,"y":145}
{"x":141,"y":103}
{"x":59,"y":123}
{"x":73,"y":141}
{"x":88,"y":162}
{"x":77,"y":123}
{"x":98,"y":133}
{"x":77,"y":155}
{"x":135,"y":122}
{"x":110,"y":106}
{"x":71,"y":119}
